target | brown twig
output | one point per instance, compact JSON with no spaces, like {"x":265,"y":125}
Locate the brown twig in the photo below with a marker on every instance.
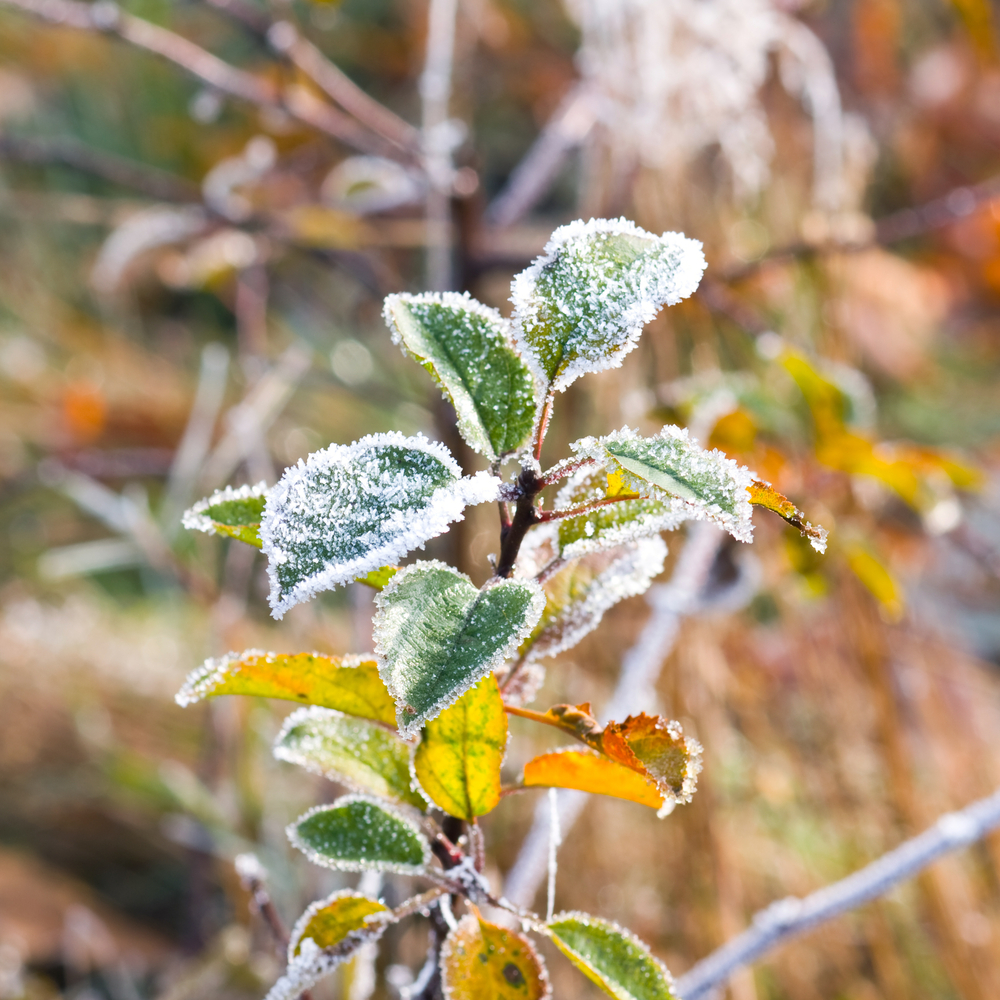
{"x":525,"y":515}
{"x":554,"y":515}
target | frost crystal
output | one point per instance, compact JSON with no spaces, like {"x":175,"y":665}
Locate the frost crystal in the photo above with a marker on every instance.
{"x":466,"y":347}
{"x":436,"y":635}
{"x":578,"y":595}
{"x":582,"y":305}
{"x":692,"y":482}
{"x":200,"y":516}
{"x":350,"y":509}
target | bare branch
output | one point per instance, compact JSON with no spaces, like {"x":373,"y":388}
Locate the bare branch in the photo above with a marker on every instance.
{"x":790,"y":917}
{"x":554,"y":515}
{"x":150,"y":181}
{"x":107,"y":17}
{"x":532,"y":177}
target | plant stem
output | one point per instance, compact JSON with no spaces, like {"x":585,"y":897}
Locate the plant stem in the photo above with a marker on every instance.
{"x":525,"y":515}
{"x":554,"y":515}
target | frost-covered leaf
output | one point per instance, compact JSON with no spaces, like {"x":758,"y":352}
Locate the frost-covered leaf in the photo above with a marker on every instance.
{"x":701,"y":485}
{"x":235,"y":513}
{"x":582,"y":305}
{"x":612,"y":957}
{"x":360,"y":754}
{"x":458,"y":760}
{"x":766,"y":496}
{"x":378,"y":578}
{"x":436,"y":635}
{"x":609,"y":526}
{"x":649,"y":745}
{"x":328,"y":921}
{"x":350,"y":684}
{"x":358,"y":832}
{"x":483,"y":961}
{"x":578,"y":595}
{"x":329,"y":932}
{"x":590,"y":772}
{"x":351,"y":509}
{"x":466,"y":348}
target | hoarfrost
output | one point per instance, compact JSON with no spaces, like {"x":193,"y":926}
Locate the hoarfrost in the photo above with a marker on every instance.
{"x":467,"y":348}
{"x":196,"y":517}
{"x":582,"y":305}
{"x":350,"y":509}
{"x":579,"y":594}
{"x":692,"y":482}
{"x":437,"y":635}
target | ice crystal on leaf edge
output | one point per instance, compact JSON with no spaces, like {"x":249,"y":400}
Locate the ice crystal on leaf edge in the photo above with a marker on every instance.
{"x":195,"y":518}
{"x":658,"y":286}
{"x":411,"y":527}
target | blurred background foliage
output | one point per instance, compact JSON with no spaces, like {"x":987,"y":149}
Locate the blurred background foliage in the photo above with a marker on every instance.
{"x":190,"y":294}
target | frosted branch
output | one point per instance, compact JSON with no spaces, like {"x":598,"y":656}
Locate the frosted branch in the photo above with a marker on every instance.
{"x":790,"y":917}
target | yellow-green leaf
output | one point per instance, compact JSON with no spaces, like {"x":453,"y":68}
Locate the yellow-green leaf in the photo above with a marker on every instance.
{"x":482,"y":961}
{"x":235,"y":513}
{"x":611,"y":957}
{"x":460,"y":753}
{"x":378,"y":578}
{"x":328,"y":921}
{"x":589,"y":772}
{"x":349,"y":684}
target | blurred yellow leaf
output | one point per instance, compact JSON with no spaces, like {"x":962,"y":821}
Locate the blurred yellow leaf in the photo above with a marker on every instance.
{"x":325,"y":228}
{"x":877,"y":579}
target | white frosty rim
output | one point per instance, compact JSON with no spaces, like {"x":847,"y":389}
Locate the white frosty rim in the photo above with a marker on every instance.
{"x":195,"y":519}
{"x":533,"y":613}
{"x":444,"y":507}
{"x":325,"y":861}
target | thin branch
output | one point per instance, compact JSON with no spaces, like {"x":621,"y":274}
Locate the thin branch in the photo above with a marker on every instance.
{"x":543,"y":425}
{"x":790,"y":917}
{"x":150,"y":181}
{"x":564,"y":469}
{"x":555,"y":515}
{"x":532,"y":177}
{"x":107,"y":17}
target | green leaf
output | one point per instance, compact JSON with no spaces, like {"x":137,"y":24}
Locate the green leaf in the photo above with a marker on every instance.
{"x":578,"y":595}
{"x":359,"y":832}
{"x":328,"y":921}
{"x":582,"y":305}
{"x":483,"y":961}
{"x":351,"y":509}
{"x":460,"y":753}
{"x":466,"y":348}
{"x":329,"y":932}
{"x":357,"y":753}
{"x":349,"y":684}
{"x":235,"y":513}
{"x":612,"y":957}
{"x":436,"y":635}
{"x":695,"y":484}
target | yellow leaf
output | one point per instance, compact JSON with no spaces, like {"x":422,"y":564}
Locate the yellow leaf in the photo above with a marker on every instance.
{"x":589,"y":772}
{"x":617,"y":484}
{"x":378,"y":578}
{"x":328,"y":921}
{"x":316,"y":226}
{"x":877,"y":579}
{"x":349,"y":684}
{"x":460,"y":753}
{"x":482,"y":961}
{"x":766,"y":496}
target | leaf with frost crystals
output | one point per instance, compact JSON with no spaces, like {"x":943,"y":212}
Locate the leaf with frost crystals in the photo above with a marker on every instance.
{"x":235,"y":513}
{"x":351,"y":509}
{"x":329,"y":932}
{"x":611,"y":525}
{"x":436,"y":635}
{"x":702,"y":485}
{"x":766,"y":496}
{"x":582,"y":305}
{"x":458,"y":760}
{"x":578,"y":595}
{"x":588,"y":771}
{"x":350,"y":684}
{"x":466,"y":348}
{"x":483,"y":961}
{"x":610,"y":956}
{"x":355,"y":752}
{"x":358,"y":832}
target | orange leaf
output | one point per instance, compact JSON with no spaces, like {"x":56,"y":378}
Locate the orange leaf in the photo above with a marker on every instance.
{"x":590,"y":772}
{"x":766,"y":496}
